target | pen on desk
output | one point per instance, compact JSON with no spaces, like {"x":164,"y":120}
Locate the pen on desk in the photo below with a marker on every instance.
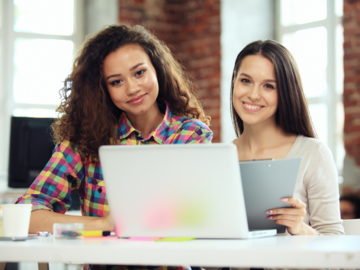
{"x":96,"y":233}
{"x":39,"y":233}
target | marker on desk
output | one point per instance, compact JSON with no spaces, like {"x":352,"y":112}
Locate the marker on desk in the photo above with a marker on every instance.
{"x":96,"y":233}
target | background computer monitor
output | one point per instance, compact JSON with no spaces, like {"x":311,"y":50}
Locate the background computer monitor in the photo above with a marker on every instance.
{"x":31,"y":147}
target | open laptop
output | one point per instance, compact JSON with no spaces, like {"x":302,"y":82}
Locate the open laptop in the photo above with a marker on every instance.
{"x":176,"y":191}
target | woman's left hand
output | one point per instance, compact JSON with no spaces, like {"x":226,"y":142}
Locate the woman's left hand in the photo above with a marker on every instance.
{"x":291,"y":217}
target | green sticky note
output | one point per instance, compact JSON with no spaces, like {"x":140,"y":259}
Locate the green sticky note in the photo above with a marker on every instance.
{"x":175,"y":239}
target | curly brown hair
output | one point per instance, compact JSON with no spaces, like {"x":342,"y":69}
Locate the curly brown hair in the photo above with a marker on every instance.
{"x":88,"y":115}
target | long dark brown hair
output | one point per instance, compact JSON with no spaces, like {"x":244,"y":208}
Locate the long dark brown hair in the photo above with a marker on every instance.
{"x":292,"y":114}
{"x":88,"y":115}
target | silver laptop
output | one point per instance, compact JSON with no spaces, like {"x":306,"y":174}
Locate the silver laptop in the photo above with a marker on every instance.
{"x":176,"y":191}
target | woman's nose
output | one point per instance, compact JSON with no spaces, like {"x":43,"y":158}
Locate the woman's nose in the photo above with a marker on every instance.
{"x":133,"y":86}
{"x":254,"y":93}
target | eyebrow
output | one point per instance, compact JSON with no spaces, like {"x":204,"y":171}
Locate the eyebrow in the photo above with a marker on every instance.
{"x":116,"y":75}
{"x":268,"y":80}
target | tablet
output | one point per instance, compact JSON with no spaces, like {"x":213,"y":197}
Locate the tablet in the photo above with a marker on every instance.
{"x":264,"y":183}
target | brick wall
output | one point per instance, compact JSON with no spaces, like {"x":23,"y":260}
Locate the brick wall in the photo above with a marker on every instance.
{"x":351,"y":23}
{"x":191,"y":28}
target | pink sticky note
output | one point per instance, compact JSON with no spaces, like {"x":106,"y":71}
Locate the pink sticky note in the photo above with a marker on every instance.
{"x":143,"y":238}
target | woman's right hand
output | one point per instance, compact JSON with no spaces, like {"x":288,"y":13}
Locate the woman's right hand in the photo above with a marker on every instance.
{"x":293,"y":217}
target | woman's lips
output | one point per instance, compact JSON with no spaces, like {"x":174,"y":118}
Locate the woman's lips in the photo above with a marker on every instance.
{"x":137,"y":100}
{"x":251,"y":107}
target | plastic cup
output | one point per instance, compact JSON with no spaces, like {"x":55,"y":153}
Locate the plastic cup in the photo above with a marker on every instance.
{"x":16,"y":219}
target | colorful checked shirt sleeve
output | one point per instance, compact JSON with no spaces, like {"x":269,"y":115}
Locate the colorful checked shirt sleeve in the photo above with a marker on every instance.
{"x":52,"y":188}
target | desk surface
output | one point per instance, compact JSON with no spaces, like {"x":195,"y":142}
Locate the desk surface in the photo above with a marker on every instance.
{"x":280,"y":251}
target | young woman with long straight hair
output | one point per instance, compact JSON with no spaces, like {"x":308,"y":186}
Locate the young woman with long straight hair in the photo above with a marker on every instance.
{"x":271,"y":119}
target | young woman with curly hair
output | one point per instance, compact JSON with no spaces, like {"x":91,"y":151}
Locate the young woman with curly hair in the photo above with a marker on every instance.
{"x":125,"y":89}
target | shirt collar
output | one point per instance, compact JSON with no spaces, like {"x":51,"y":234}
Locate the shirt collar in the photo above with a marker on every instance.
{"x":124,"y":128}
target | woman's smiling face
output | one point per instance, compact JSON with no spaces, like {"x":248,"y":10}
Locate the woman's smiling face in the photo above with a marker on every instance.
{"x":255,"y":95}
{"x":131,"y":79}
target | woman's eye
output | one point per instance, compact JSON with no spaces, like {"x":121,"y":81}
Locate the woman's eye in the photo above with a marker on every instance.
{"x":116,"y":82}
{"x":140,"y":72}
{"x":269,"y":86}
{"x":245,"y":80}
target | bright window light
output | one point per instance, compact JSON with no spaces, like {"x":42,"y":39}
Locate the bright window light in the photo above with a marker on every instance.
{"x":302,"y":11}
{"x":35,"y":113}
{"x":309,"y":48}
{"x":55,"y":17}
{"x":40,"y":67}
{"x":318,"y":113}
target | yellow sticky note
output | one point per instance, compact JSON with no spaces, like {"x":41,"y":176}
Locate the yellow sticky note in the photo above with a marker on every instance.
{"x":176,"y":239}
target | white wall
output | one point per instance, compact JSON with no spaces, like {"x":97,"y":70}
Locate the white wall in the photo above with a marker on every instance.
{"x":100,"y":13}
{"x":242,"y":21}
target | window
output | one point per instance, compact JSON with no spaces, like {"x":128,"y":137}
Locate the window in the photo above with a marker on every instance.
{"x":38,"y":42}
{"x":313,"y":33}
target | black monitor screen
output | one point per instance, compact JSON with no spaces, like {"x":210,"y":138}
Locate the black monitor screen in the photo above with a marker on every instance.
{"x":31,"y":146}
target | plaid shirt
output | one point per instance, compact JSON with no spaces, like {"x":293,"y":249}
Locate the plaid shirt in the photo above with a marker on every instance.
{"x":69,"y":169}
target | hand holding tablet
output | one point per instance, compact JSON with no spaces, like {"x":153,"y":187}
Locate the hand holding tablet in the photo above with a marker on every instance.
{"x":292,"y":218}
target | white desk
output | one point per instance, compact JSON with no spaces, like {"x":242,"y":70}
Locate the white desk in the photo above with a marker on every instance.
{"x":281,"y":251}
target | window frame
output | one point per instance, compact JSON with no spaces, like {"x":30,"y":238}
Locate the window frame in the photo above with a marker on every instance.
{"x":7,"y":41}
{"x":331,"y":98}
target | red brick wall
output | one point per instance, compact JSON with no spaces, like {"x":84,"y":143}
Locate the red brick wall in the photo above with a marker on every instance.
{"x":351,"y":23}
{"x":191,"y":28}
